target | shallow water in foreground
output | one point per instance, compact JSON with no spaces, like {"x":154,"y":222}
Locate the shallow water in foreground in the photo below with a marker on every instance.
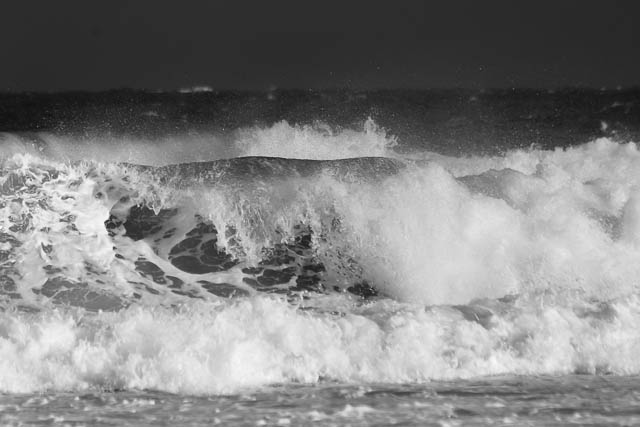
{"x":519,"y":400}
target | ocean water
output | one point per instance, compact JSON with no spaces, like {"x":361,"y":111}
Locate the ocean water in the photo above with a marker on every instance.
{"x":281,"y":268}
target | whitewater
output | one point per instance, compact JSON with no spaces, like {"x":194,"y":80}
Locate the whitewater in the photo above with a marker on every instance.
{"x":356,"y":279}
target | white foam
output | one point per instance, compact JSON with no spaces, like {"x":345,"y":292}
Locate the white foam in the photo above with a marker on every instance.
{"x":196,"y":89}
{"x":565,"y":222}
{"x":425,"y":236}
{"x":224,"y":348}
{"x":563,"y":219}
{"x":559,"y":229}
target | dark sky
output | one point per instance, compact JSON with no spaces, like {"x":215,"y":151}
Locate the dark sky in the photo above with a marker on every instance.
{"x":91,"y":45}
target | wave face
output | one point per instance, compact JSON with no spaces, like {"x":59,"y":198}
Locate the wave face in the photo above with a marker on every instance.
{"x":304,"y":254}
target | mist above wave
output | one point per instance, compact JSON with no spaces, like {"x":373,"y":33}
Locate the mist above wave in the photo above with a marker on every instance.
{"x":319,"y":142}
{"x":524,"y":263}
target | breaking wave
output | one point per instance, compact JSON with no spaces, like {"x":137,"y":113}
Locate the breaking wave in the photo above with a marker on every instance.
{"x":304,"y":254}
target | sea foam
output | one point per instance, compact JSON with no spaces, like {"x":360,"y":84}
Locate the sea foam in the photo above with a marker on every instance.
{"x":212,"y":348}
{"x":524,"y":263}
